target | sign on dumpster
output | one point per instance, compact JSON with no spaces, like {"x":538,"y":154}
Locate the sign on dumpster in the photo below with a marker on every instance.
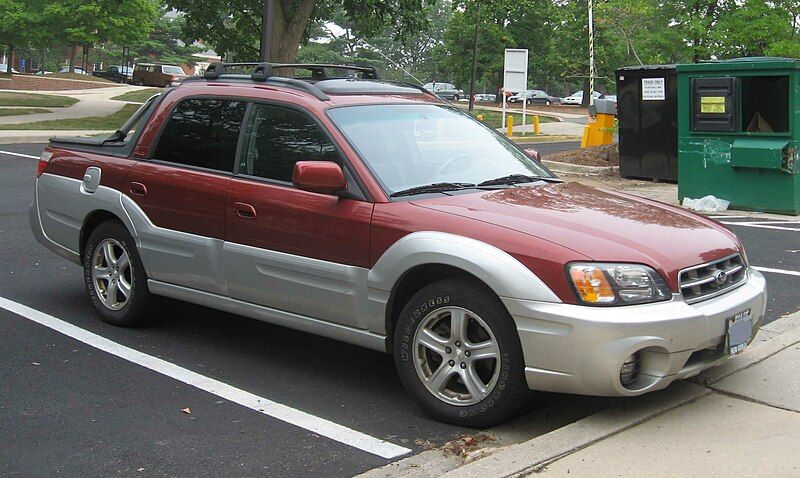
{"x":654,"y":89}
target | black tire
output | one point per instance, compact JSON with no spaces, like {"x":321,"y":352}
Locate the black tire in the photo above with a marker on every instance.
{"x":455,"y":97}
{"x":509,"y":391}
{"x":135,"y":310}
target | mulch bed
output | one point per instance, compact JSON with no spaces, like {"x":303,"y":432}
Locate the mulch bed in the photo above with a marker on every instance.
{"x":42,"y":83}
{"x":604,"y":155}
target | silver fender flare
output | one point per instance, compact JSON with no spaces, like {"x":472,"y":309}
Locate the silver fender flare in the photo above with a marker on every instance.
{"x":504,"y":274}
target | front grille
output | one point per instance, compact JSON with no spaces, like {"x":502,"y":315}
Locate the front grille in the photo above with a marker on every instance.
{"x":711,"y":279}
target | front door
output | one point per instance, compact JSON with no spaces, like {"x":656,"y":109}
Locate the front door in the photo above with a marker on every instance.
{"x":180,"y":193}
{"x":288,"y":249}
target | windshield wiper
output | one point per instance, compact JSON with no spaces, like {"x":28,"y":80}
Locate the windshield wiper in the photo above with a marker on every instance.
{"x":432,"y":188}
{"x":516,"y":179}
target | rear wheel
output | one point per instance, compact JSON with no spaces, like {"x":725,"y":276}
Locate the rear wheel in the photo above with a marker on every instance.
{"x":455,"y":98}
{"x":114,"y":275}
{"x":458,"y":353}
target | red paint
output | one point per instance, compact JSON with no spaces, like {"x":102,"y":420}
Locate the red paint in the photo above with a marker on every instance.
{"x":180,"y":199}
{"x":299,"y":222}
{"x":318,"y":176}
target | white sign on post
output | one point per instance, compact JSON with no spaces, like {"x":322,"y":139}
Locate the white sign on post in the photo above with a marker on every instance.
{"x":515,"y":77}
{"x":654,"y":89}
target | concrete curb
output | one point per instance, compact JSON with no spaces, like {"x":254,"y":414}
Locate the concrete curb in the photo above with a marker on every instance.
{"x":560,"y":167}
{"x":531,"y":456}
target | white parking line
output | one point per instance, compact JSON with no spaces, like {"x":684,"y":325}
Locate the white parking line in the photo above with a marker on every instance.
{"x":298,"y":418}
{"x":761,"y":226}
{"x":11,"y":153}
{"x":776,"y":271}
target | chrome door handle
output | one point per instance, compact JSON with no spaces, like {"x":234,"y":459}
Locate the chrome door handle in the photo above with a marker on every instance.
{"x":244,"y":210}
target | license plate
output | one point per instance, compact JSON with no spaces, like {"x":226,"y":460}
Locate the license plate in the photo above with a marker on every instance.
{"x":740,"y":329}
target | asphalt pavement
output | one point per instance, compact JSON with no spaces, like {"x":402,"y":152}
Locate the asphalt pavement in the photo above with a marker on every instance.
{"x":69,"y":408}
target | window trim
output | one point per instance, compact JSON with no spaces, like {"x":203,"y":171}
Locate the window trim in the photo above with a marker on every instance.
{"x":361,"y":194}
{"x":163,"y":126}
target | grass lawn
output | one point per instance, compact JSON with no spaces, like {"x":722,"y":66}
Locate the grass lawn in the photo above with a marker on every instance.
{"x":495,"y":118}
{"x":139,"y":96}
{"x":21,"y":111}
{"x":78,"y":76}
{"x":32,"y":99}
{"x":109,"y":122}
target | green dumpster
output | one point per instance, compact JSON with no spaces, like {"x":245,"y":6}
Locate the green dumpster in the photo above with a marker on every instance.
{"x":738,"y":132}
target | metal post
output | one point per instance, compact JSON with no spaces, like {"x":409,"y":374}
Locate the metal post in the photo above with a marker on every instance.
{"x":474,"y":56}
{"x":266,"y":31}
{"x":591,"y":52}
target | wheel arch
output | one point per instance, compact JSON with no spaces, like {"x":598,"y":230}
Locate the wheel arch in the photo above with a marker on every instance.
{"x":94,"y":219}
{"x":421,"y":258}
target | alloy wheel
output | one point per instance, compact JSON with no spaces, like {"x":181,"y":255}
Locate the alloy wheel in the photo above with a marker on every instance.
{"x":112,"y":275}
{"x":456,"y":356}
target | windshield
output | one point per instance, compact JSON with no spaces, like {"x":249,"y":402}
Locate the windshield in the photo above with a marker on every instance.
{"x":407,"y":146}
{"x":172,"y":70}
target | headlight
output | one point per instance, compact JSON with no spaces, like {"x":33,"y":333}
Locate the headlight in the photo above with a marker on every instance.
{"x":617,"y":284}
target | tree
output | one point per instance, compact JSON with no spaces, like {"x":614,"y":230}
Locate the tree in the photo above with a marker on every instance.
{"x":234,"y":26}
{"x":17,"y":25}
{"x":92,"y":22}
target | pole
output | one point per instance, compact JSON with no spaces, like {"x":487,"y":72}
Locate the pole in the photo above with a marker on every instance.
{"x":503,"y":92}
{"x":266,"y":31}
{"x":591,"y":51}
{"x":474,"y":56}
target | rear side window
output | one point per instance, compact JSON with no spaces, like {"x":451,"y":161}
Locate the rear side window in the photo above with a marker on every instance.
{"x":202,"y":132}
{"x":279,"y":137}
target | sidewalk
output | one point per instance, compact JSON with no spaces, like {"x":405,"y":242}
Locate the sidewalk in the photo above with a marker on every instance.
{"x":92,"y":103}
{"x":739,"y":419}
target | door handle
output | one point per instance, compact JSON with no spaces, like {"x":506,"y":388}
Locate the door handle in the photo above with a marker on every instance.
{"x":244,"y":210}
{"x":138,"y":189}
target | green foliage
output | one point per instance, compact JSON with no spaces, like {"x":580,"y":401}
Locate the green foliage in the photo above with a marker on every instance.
{"x":91,"y":22}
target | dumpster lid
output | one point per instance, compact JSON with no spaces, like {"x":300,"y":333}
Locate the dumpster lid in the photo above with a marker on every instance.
{"x":630,"y":69}
{"x":742,"y":64}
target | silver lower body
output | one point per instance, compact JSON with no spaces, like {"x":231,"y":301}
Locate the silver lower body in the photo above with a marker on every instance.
{"x":579,"y":349}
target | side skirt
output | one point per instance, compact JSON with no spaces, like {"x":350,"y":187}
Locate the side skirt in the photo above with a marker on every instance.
{"x":363,"y":338}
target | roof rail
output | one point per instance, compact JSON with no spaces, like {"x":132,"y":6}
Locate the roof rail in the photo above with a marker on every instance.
{"x":264,"y":70}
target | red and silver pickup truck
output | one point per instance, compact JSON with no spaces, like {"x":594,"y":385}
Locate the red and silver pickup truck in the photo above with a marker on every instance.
{"x":374,"y":213}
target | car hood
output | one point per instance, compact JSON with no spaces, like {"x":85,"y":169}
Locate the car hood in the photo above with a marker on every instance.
{"x":603,"y":225}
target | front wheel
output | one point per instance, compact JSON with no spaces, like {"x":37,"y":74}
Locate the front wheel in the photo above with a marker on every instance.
{"x":455,"y":98}
{"x":458,"y":353}
{"x":115,"y":278}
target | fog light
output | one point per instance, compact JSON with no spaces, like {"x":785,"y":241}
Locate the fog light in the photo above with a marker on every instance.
{"x":629,"y":370}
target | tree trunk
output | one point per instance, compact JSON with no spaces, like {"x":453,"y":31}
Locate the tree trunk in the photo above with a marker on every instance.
{"x":10,"y":58}
{"x":585,"y":99}
{"x":73,"y":50}
{"x":288,"y":32}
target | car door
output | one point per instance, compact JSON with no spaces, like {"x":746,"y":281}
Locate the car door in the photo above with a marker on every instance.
{"x":288,"y":249}
{"x":180,"y":193}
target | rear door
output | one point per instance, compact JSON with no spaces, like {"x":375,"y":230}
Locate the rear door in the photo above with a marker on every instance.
{"x":180,"y":193}
{"x":288,"y":249}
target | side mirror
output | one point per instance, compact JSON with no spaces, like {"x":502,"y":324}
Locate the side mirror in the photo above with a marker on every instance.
{"x":324,"y":177}
{"x":532,"y":153}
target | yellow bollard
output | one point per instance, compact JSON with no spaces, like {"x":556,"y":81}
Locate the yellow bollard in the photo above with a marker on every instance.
{"x":510,"y":126}
{"x":480,"y":117}
{"x":535,"y":124}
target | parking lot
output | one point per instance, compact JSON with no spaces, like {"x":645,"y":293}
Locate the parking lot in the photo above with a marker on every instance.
{"x":205,"y":390}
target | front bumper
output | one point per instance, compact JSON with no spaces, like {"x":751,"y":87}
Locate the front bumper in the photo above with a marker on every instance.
{"x":579,"y":349}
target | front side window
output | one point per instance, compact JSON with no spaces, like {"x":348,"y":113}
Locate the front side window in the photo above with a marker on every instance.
{"x":279,"y":137}
{"x":406,"y":146}
{"x":202,"y":132}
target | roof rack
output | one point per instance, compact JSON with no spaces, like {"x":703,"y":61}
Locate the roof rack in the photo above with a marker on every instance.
{"x":264,"y":70}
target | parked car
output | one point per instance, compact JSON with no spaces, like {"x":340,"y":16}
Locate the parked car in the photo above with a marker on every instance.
{"x":118,"y":73}
{"x":447,"y":91}
{"x":535,"y":97}
{"x":77,"y":70}
{"x":577,"y":98}
{"x":374,"y":213}
{"x":150,"y":74}
{"x":4,"y":68}
{"x":485,"y":97}
{"x":43,"y":72}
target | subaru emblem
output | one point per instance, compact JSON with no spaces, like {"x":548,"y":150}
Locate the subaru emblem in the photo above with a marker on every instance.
{"x":720,"y":277}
